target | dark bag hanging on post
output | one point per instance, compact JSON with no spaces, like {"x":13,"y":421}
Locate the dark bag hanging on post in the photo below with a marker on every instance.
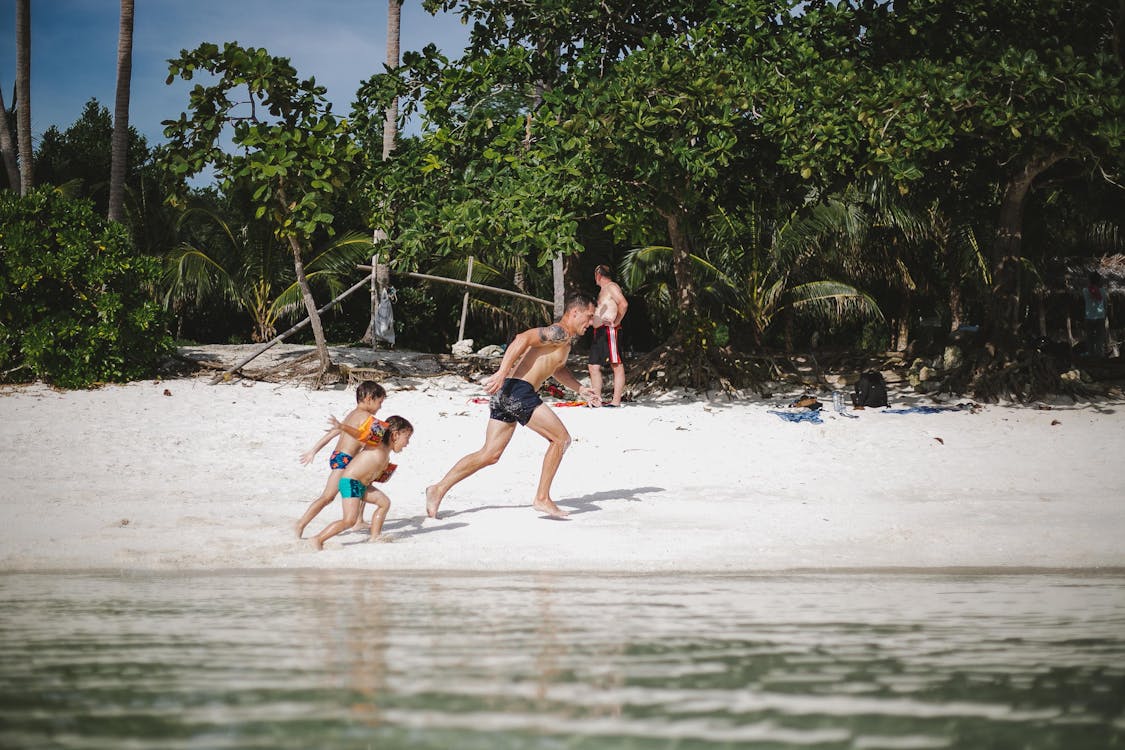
{"x":870,"y":390}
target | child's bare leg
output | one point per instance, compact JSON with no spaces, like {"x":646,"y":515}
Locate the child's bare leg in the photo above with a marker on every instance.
{"x":351,"y":510}
{"x":326,"y":497}
{"x":359,"y":524}
{"x":382,"y":505}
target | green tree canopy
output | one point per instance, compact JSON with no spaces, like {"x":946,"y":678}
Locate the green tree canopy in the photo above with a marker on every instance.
{"x":289,"y":151}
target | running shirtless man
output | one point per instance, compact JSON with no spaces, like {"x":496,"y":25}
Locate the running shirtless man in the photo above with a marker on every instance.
{"x":530,"y":359}
{"x":605,"y":349}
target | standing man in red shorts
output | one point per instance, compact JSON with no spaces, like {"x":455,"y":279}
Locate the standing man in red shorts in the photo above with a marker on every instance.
{"x":606,"y":348}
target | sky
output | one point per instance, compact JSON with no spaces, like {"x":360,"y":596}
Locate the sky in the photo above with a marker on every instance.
{"x":74,"y":49}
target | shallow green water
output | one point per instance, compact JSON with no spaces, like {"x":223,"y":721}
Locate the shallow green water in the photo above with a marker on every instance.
{"x":356,"y":659}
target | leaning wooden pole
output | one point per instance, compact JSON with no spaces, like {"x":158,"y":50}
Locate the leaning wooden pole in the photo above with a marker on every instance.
{"x":465,"y":302}
{"x":281,"y":336}
{"x":357,"y":286}
{"x":470,"y":284}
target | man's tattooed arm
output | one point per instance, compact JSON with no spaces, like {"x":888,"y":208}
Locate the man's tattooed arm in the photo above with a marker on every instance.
{"x":552,"y":334}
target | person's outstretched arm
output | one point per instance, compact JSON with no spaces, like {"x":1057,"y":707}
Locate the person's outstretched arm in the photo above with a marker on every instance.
{"x":566,"y":377}
{"x":368,"y":433}
{"x":310,"y":454}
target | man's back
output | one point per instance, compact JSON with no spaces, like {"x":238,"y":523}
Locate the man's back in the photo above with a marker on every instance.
{"x":608,"y":307}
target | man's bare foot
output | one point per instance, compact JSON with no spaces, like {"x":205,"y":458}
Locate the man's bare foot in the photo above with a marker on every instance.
{"x":433,"y":500}
{"x":299,"y":529}
{"x":548,"y":506}
{"x":317,"y":544}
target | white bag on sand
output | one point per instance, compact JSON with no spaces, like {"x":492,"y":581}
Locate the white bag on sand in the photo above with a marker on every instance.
{"x":385,"y":319}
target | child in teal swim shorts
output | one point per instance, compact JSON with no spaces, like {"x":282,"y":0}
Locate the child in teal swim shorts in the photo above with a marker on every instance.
{"x":371,"y":465}
{"x":369,"y":397}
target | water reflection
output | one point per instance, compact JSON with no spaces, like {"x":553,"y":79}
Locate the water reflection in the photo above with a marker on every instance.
{"x":367,"y":659}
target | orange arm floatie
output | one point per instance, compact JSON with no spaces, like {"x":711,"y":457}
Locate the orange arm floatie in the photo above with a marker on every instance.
{"x":371,"y":432}
{"x":386,"y":473}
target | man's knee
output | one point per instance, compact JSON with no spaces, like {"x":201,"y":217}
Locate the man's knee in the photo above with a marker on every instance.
{"x":490,"y":456}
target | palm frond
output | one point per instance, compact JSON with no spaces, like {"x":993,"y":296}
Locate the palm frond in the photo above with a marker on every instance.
{"x":966,"y":241}
{"x":192,"y":275}
{"x":193,"y":211}
{"x":343,"y":254}
{"x":287,"y":302}
{"x":70,"y":188}
{"x":832,"y":300}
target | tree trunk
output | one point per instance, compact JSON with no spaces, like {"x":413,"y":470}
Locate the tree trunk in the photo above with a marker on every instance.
{"x":681,"y":266}
{"x":380,"y":277}
{"x":902,"y":325}
{"x":956,"y":307}
{"x":1007,"y":249}
{"x":1041,"y":306}
{"x":306,"y":292}
{"x":8,"y":148}
{"x":119,"y":159}
{"x":940,"y":227}
{"x":558,"y":278}
{"x":23,"y":94}
{"x":310,"y":307}
{"x":787,"y":320}
{"x":394,"y":30}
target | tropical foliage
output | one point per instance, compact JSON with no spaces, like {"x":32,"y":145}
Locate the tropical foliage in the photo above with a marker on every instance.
{"x":290,"y":152}
{"x":77,"y":303}
{"x":756,"y":169}
{"x":247,"y":266}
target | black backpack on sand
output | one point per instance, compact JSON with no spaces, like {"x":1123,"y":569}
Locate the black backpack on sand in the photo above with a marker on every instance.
{"x":870,"y":390}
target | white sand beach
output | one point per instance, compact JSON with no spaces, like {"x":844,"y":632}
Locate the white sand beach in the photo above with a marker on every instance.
{"x":182,"y":474}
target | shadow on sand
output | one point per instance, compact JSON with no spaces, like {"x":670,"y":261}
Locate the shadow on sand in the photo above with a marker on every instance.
{"x":403,"y":528}
{"x":575,"y":506}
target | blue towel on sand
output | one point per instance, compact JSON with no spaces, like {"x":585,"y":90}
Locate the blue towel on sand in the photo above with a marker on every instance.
{"x":921,"y":410}
{"x":799,"y":416}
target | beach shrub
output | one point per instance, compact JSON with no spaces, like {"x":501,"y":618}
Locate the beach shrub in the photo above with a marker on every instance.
{"x":77,"y":302}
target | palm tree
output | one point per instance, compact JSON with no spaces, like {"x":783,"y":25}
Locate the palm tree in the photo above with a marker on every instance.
{"x":380,"y":276}
{"x":8,"y":148}
{"x":251,"y":271}
{"x":394,"y":33}
{"x":120,"y":146}
{"x":753,"y":272}
{"x":237,"y":266}
{"x":23,"y":94}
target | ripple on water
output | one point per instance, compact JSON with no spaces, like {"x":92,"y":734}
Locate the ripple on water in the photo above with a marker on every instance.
{"x":320,"y":658}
